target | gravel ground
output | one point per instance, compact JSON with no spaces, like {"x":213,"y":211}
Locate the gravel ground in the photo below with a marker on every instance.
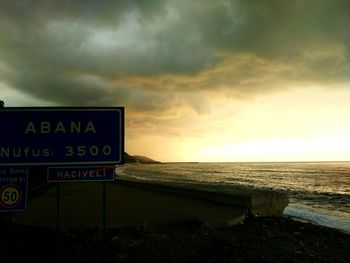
{"x":257,"y":239}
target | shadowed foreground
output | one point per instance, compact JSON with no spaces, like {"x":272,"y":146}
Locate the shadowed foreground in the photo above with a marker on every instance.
{"x":177,"y":229}
{"x":258,"y":239}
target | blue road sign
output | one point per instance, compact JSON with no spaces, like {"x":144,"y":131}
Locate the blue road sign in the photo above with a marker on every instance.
{"x":13,"y":189}
{"x":61,"y":136}
{"x":79,"y":174}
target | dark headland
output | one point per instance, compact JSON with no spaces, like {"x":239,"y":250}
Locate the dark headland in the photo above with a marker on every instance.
{"x":138,"y":159}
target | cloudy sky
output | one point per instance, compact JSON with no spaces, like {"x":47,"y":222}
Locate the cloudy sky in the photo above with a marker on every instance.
{"x":200,"y":80}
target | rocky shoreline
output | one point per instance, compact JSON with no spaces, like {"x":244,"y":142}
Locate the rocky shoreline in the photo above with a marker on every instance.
{"x":257,"y":239}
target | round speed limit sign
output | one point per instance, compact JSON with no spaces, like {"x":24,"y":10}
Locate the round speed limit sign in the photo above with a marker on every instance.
{"x":10,"y":196}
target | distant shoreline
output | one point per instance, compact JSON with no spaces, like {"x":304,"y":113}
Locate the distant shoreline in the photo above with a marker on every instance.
{"x":177,"y":162}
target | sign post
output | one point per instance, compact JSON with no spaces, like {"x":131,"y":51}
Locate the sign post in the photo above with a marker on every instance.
{"x":75,"y":143}
{"x":13,"y":193}
{"x":104,"y":206}
{"x":80,"y":174}
{"x":62,"y":136}
{"x":13,"y":189}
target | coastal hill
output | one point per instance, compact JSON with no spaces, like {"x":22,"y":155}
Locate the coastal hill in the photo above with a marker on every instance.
{"x":138,"y":159}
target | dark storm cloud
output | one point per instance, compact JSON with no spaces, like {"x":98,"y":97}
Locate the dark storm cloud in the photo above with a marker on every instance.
{"x":101,"y":12}
{"x":78,"y":52}
{"x":279,"y":28}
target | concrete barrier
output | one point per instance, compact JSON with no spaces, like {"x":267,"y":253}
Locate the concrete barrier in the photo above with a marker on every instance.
{"x":264,"y":203}
{"x":139,"y":203}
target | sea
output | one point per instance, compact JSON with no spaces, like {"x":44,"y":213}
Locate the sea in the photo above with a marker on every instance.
{"x":318,"y":191}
